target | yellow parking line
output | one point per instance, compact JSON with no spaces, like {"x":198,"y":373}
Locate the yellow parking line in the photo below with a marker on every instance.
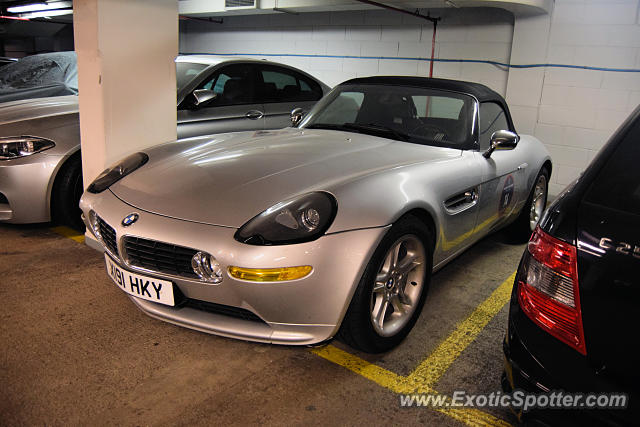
{"x":394,"y":382}
{"x":434,"y":366}
{"x":403,"y":385}
{"x":69,"y":232}
{"x":422,"y":379}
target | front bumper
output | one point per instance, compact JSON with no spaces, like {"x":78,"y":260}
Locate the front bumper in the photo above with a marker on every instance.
{"x":25,"y":184}
{"x":303,"y":311}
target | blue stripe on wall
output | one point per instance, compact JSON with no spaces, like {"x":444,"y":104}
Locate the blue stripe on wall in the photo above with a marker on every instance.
{"x":474,"y":61}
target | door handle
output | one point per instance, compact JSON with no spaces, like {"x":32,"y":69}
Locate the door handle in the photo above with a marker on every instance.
{"x":254,"y":115}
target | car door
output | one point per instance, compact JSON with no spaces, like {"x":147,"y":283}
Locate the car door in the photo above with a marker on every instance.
{"x":281,"y":89}
{"x":457,"y":182}
{"x":503,"y":173}
{"x":235,"y":107}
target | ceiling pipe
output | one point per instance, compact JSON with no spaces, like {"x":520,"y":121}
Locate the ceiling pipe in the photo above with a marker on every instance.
{"x":397,"y":9}
{"x":290,"y":12}
{"x":195,"y":18}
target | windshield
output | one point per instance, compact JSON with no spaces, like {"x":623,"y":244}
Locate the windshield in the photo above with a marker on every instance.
{"x":39,"y":76}
{"x":412,"y":114}
{"x":186,"y":71}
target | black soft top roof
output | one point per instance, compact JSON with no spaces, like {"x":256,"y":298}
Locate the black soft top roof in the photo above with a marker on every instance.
{"x":477,"y":90}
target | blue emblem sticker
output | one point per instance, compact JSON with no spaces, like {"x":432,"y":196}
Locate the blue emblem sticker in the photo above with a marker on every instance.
{"x":130,"y":219}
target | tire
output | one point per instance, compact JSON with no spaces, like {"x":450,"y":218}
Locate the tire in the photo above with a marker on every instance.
{"x":67,"y":190}
{"x":520,"y":230}
{"x":369,"y":324}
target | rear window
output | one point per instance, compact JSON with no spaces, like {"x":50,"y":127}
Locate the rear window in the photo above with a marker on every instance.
{"x":618,"y":183}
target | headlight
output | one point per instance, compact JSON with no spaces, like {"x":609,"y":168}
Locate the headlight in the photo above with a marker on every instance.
{"x":295,"y":221}
{"x":116,"y":172}
{"x":95,"y":227}
{"x":12,"y":147}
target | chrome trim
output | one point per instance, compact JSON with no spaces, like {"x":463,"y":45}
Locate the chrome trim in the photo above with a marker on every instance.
{"x":468,"y":199}
{"x":125,"y":261}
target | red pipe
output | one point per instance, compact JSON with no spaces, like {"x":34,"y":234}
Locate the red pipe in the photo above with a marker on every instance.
{"x":433,"y":48}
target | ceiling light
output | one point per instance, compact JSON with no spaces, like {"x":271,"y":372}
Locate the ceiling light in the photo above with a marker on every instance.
{"x":39,"y":7}
{"x":47,"y":13}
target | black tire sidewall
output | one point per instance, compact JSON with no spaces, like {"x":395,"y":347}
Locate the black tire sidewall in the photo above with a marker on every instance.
{"x":544,"y":172}
{"x":64,"y":201}
{"x":520,"y":230}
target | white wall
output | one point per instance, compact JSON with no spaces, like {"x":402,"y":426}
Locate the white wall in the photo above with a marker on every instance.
{"x":483,"y":33}
{"x":579,"y":109}
{"x":572,"y":111}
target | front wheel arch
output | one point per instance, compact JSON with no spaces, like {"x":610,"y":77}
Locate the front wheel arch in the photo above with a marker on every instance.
{"x":356,"y":328}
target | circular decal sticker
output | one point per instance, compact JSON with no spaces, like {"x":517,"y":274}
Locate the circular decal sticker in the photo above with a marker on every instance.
{"x":507,"y":195}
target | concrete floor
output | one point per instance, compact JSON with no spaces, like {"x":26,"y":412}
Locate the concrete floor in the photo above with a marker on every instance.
{"x":75,"y":350}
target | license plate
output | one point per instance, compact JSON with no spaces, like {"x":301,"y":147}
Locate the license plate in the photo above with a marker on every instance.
{"x":148,"y":288}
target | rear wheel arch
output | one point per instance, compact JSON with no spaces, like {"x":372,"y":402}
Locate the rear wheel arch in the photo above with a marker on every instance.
{"x":548,"y":166}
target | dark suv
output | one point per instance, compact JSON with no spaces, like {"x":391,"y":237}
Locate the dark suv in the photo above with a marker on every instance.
{"x":575,"y":305}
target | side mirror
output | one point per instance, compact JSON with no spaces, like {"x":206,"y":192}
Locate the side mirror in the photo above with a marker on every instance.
{"x":203,"y":96}
{"x":502,"y":139}
{"x":296,"y":116}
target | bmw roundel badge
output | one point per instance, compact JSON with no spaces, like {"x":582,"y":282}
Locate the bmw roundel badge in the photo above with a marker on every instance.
{"x":130,"y":219}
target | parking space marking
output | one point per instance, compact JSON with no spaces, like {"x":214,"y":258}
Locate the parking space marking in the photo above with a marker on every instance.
{"x":403,"y":385}
{"x":431,"y":369}
{"x":392,"y":381}
{"x":68,"y":232}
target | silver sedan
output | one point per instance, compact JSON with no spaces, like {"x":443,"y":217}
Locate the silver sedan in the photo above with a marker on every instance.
{"x":40,"y":167}
{"x":329,"y":228}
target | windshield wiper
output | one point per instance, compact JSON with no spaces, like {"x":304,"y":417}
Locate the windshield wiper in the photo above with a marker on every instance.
{"x":377,"y":129}
{"x":330,"y":126}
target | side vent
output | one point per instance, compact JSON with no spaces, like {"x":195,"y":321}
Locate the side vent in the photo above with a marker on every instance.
{"x":462,"y":201}
{"x":240,"y":4}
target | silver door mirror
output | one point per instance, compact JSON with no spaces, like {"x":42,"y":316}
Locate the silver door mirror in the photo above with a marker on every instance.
{"x":503,"y":140}
{"x":203,"y":96}
{"x":296,"y":116}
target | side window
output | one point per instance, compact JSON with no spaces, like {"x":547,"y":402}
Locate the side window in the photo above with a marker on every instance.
{"x":438,"y":107}
{"x":284,"y":85}
{"x":492,"y":118}
{"x":234,"y":85}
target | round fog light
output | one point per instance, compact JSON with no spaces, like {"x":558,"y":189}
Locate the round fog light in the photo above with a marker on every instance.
{"x":206,"y":267}
{"x":95,"y":227}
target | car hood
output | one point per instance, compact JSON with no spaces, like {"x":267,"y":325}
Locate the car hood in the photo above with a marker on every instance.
{"x":28,"y":109}
{"x":227,"y":179}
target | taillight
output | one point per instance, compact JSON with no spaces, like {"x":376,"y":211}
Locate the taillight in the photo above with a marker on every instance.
{"x":548,"y":288}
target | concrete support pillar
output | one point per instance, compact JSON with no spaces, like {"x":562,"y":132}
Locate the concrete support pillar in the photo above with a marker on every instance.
{"x":524,"y":86}
{"x":127,"y":82}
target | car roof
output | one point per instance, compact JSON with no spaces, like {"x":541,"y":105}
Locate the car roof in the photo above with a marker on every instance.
{"x":216,"y":59}
{"x":479,"y":91}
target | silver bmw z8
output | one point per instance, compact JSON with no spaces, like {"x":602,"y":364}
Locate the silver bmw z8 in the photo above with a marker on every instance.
{"x":332,"y":227}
